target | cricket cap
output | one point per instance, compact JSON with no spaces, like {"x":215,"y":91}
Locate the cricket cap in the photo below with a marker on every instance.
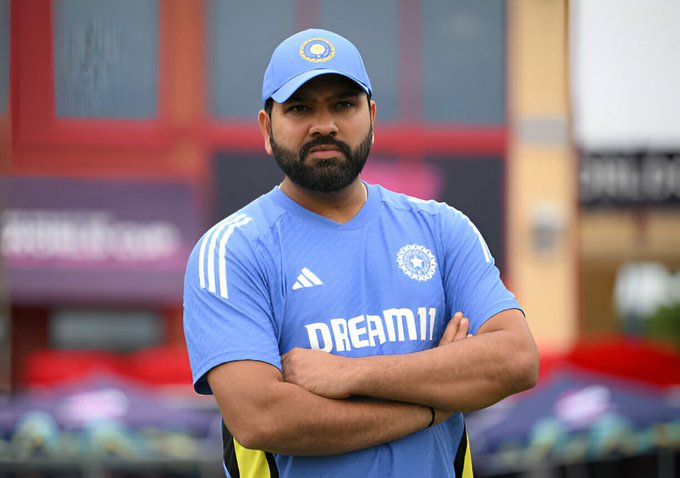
{"x":306,"y":55}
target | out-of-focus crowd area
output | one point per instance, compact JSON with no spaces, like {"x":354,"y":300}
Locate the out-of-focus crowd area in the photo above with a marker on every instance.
{"x":128,"y":128}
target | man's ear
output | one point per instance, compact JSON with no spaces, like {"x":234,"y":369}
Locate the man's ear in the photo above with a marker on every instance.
{"x":264,"y":121}
{"x":373,"y":112}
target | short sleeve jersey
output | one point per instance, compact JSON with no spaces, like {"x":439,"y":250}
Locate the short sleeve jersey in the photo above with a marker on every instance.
{"x":274,"y":276}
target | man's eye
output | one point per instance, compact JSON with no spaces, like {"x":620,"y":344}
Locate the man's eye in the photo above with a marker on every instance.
{"x":345,"y":104}
{"x":297,"y":108}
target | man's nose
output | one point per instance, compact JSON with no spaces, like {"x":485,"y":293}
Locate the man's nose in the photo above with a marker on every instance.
{"x":323,"y":124}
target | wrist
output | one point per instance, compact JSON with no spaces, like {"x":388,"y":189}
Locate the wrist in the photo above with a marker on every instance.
{"x":357,"y":377}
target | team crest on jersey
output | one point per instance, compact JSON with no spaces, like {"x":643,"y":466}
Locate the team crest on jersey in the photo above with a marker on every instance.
{"x":417,"y":262}
{"x":317,"y":50}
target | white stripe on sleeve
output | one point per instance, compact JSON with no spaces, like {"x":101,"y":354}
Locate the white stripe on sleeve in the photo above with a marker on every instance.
{"x":222,"y":264}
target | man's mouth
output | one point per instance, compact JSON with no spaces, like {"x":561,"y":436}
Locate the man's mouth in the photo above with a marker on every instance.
{"x":324,"y":151}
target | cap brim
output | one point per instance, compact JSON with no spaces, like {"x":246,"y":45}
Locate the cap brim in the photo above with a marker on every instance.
{"x":291,"y":86}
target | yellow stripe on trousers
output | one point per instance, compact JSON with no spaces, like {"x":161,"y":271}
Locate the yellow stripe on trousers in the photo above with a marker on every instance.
{"x":467,"y":464}
{"x":251,"y":463}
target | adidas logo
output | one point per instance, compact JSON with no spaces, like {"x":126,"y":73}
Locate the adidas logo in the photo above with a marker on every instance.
{"x":306,"y":279}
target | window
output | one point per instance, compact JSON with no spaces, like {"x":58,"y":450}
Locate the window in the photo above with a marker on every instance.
{"x":113,"y":330}
{"x":106,"y":58}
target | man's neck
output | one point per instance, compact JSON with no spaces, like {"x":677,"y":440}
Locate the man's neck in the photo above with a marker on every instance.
{"x":338,"y":206}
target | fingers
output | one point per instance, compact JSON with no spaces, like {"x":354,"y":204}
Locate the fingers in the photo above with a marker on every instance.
{"x":457,"y":329}
{"x":451,"y":329}
{"x":463,"y":328}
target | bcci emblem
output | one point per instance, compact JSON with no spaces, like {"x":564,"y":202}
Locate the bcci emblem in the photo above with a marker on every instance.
{"x":317,"y":50}
{"x":417,"y":262}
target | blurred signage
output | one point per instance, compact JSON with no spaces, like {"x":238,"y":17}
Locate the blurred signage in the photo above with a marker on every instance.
{"x":85,"y":240}
{"x":78,"y":236}
{"x":630,"y":179}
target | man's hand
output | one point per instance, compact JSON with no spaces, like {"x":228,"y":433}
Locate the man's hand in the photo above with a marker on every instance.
{"x":457,"y":329}
{"x":316,"y":371}
{"x":324,"y":374}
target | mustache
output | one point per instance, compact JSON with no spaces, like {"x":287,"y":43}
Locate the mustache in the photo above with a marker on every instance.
{"x":326,"y":141}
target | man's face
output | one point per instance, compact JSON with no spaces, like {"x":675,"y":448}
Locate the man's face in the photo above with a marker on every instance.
{"x":322,"y":135}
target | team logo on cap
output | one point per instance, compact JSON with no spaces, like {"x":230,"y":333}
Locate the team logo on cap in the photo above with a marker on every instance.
{"x":417,"y":262}
{"x":317,"y":50}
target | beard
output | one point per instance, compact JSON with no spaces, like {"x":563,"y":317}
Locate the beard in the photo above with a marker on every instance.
{"x":325,"y":175}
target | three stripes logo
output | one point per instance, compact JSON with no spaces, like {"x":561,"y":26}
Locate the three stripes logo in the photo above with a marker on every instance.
{"x":212,"y":270}
{"x":305,"y":279}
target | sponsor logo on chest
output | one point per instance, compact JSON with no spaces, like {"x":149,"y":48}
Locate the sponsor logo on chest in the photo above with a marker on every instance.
{"x":397,"y":324}
{"x":368,"y":330}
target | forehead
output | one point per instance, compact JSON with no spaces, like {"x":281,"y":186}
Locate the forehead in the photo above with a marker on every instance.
{"x":326,"y":85}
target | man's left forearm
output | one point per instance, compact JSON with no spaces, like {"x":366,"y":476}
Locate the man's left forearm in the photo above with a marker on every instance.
{"x":462,"y":376}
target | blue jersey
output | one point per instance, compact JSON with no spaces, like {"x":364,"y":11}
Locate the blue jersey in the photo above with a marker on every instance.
{"x":275,"y":275}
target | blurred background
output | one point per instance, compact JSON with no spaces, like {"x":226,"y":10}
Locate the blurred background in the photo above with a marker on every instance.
{"x":128,"y":127}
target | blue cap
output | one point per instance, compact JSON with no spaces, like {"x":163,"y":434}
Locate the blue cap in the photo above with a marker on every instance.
{"x":306,"y":55}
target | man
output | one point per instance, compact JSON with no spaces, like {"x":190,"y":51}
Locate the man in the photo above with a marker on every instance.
{"x":341,"y":327}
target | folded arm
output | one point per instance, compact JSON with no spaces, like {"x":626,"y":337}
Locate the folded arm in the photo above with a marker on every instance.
{"x":265,"y":413}
{"x":461,"y":375}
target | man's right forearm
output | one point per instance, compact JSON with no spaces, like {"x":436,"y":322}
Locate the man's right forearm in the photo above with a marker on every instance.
{"x":280,"y":417}
{"x":305,"y":424}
